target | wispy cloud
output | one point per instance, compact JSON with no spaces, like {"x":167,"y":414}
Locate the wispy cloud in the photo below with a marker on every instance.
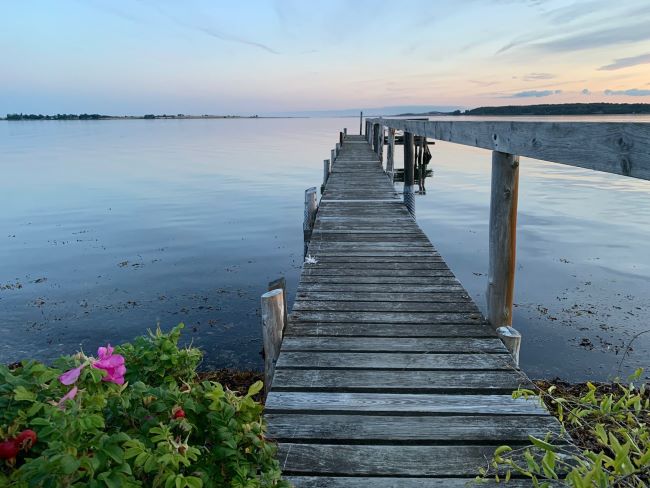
{"x":537,"y":76}
{"x":626,"y":62}
{"x":570,"y":13}
{"x":533,"y":94}
{"x":622,"y":34}
{"x":632,"y":92}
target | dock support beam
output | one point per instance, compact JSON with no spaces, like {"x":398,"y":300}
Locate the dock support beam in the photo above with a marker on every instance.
{"x":502,"y":248}
{"x":311,"y":206}
{"x":390,"y":154}
{"x":272,"y":327}
{"x":409,"y":173}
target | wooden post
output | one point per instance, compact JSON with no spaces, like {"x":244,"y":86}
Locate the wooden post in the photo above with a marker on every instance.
{"x":332,"y":156}
{"x":511,"y":338}
{"x":409,"y":172}
{"x":281,"y":284}
{"x":310,"y":215}
{"x":421,"y":176}
{"x":375,"y":138}
{"x":503,"y":232}
{"x":326,"y":174}
{"x":390,"y":154}
{"x":360,"y":123}
{"x":272,"y":325}
{"x":380,"y":149}
{"x":341,"y":138}
{"x":368,"y":131}
{"x":345,"y":132}
{"x":338,"y":149}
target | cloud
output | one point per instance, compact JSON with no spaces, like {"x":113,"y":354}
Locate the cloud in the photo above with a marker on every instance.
{"x":586,"y":91}
{"x":626,"y":62}
{"x":605,"y":37}
{"x":538,"y":76}
{"x":533,"y":94}
{"x":564,"y":15}
{"x":632,"y":92}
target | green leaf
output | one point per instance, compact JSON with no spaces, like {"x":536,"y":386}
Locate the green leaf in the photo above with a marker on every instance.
{"x":547,"y":446}
{"x":255,"y":388}
{"x":22,"y":394}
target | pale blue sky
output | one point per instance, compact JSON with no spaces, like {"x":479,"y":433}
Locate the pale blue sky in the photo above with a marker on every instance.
{"x":199,"y":56}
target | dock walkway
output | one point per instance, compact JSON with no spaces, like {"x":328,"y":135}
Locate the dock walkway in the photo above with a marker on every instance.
{"x":388,"y":375}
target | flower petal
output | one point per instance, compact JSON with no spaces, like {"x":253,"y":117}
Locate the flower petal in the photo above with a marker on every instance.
{"x":71,"y":376}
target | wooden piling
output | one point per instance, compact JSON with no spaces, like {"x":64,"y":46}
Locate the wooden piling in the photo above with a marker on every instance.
{"x":281,"y":284}
{"x":503,"y":232}
{"x":332,"y":156}
{"x":409,"y":173}
{"x":390,"y":154}
{"x":375,"y":138}
{"x":311,"y":206}
{"x":326,"y":173}
{"x":341,"y":138}
{"x":345,"y":132}
{"x":360,"y":123}
{"x":272,"y":326}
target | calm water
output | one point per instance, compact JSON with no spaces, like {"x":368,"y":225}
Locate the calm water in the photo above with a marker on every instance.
{"x":110,"y":227}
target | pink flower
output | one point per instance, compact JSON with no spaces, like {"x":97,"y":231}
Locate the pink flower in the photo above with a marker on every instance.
{"x":113,"y":364}
{"x":68,"y":396}
{"x":71,"y":376}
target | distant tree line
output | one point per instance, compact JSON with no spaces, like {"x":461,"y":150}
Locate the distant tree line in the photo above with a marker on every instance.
{"x":55,"y":117}
{"x":562,"y":109}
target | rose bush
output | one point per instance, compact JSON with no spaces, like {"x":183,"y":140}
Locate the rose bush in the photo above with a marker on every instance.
{"x":136,"y":417}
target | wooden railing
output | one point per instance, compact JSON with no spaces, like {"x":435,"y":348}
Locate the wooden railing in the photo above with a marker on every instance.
{"x":614,"y":147}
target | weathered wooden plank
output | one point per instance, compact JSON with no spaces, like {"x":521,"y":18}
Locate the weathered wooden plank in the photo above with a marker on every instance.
{"x":386,"y":360}
{"x":395,"y":381}
{"x":387,"y":403}
{"x":401,"y":482}
{"x":384,"y":280}
{"x":612,"y":147}
{"x":347,"y":329}
{"x":431,"y":430}
{"x":386,"y":460}
{"x":446,"y":287}
{"x":376,"y":306}
{"x":413,"y":264}
{"x":341,"y":295}
{"x":389,"y":344}
{"x":395,"y":317}
{"x":377,"y":272}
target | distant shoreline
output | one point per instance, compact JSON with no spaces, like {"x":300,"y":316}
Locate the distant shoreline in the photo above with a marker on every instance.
{"x":24,"y":117}
{"x":549,"y":109}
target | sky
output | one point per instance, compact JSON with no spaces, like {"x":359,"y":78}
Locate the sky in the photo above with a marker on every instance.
{"x":287,"y":56}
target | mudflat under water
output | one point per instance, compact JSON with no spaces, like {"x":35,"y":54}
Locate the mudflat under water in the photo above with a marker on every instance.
{"x":110,"y":227}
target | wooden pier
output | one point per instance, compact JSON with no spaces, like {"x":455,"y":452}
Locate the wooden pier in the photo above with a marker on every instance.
{"x":388,"y":375}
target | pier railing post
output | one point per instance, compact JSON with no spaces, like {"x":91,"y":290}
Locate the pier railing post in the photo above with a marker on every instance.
{"x":332,"y":156}
{"x":409,"y":173}
{"x":502,"y":248}
{"x":345,"y":132}
{"x":390,"y":154}
{"x":375,"y":138}
{"x":341,"y":138}
{"x":311,"y":206}
{"x":380,"y":149}
{"x":326,"y":173}
{"x":281,"y":284}
{"x":337,"y":149}
{"x":272,"y":327}
{"x":360,"y":123}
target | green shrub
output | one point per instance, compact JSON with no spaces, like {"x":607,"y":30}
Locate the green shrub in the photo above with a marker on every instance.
{"x":160,"y":428}
{"x":604,"y":441}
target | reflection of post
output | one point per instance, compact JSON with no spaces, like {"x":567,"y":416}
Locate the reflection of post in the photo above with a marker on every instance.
{"x":272,"y":325}
{"x":409,"y":173}
{"x":390,"y":154}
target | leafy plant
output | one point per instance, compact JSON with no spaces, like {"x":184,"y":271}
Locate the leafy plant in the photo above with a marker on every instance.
{"x":159,"y":428}
{"x":604,"y":441}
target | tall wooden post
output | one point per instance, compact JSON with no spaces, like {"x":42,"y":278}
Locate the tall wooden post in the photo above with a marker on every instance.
{"x":345,"y":132}
{"x":390,"y":154}
{"x":326,"y":173}
{"x":409,"y":173}
{"x":341,"y":138}
{"x":332,"y":155}
{"x":360,"y":123}
{"x":272,"y":326}
{"x":503,"y":236}
{"x":375,"y":138}
{"x":311,"y":206}
{"x":281,"y":284}
{"x":380,"y":149}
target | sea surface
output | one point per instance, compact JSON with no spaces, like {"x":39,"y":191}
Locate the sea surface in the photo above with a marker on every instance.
{"x":109,"y":228}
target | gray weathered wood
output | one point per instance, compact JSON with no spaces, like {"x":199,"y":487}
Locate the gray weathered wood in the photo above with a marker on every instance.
{"x":281,"y":284}
{"x":272,"y":326}
{"x":511,"y":338}
{"x":503,"y":232}
{"x":614,"y":147}
{"x":425,"y":404}
{"x":311,"y":206}
{"x":381,"y":344}
{"x":409,"y":173}
{"x":347,"y":329}
{"x":401,"y":482}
